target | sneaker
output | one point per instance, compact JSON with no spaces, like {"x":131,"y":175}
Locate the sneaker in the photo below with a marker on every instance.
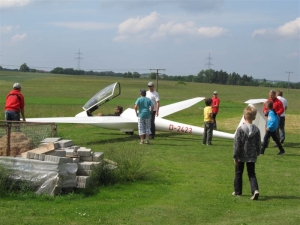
{"x":255,"y":195}
{"x":233,"y":193}
{"x":281,"y":153}
{"x":141,"y":142}
{"x":148,"y":142}
{"x":209,"y":144}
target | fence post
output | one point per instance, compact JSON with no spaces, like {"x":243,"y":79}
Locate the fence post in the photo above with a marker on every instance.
{"x":8,"y":140}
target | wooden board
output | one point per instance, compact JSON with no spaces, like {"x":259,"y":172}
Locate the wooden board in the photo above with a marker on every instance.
{"x":40,"y":150}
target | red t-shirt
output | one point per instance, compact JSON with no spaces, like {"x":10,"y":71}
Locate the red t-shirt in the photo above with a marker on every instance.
{"x":215,"y":101}
{"x":14,"y":101}
{"x":277,"y":106}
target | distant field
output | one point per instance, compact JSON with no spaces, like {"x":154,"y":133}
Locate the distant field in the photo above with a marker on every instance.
{"x":187,"y":183}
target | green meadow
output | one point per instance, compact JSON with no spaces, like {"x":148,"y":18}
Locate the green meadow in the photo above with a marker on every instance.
{"x":184,"y":183}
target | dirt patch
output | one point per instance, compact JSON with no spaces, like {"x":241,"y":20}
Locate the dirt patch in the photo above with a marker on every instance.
{"x":19,"y":143}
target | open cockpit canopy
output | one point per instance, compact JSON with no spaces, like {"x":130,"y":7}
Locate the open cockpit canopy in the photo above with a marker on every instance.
{"x":103,"y":96}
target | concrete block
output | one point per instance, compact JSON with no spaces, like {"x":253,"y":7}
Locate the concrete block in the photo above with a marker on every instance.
{"x":49,"y":140}
{"x":64,"y":143}
{"x":60,"y":153}
{"x":84,"y":152}
{"x":75,"y":160}
{"x":97,"y":156}
{"x":87,"y":165}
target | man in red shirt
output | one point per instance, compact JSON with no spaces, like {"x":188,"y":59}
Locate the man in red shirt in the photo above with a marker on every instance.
{"x":215,"y":108}
{"x":15,"y":104}
{"x":277,"y":104}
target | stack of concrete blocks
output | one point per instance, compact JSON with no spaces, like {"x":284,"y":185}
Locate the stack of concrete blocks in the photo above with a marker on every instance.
{"x":71,"y":166}
{"x":85,"y":159}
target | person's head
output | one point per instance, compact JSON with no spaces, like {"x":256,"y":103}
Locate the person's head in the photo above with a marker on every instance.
{"x":17,"y":86}
{"x":119,"y":109}
{"x":151,"y":86}
{"x":215,"y":94}
{"x":208,"y":101}
{"x":272,"y":94}
{"x":250,"y":113}
{"x":269,"y":105}
{"x":143,"y":92}
{"x":279,"y":93}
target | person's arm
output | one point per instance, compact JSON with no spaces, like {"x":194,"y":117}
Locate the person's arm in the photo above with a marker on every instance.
{"x":157,"y":107}
{"x":135,"y":109}
{"x":23,"y":114}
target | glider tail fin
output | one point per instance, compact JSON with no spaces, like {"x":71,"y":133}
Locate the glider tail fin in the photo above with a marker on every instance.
{"x":260,"y":120}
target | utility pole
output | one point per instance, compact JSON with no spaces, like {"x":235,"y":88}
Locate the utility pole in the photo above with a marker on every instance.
{"x":209,"y":61}
{"x":289,"y":72}
{"x":157,"y":77}
{"x":78,"y":58}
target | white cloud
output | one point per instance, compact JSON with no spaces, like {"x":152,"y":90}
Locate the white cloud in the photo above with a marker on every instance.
{"x":18,"y":38}
{"x":84,"y":25}
{"x":153,"y":27}
{"x":14,"y":3}
{"x":7,"y":29}
{"x":290,"y":30}
{"x":293,"y":55}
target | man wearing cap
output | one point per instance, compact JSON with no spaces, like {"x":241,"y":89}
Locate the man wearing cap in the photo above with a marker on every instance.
{"x":215,"y":108}
{"x":143,"y":108}
{"x":154,"y":97}
{"x":15,"y":104}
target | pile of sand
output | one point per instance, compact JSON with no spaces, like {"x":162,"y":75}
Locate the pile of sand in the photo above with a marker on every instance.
{"x":19,"y":143}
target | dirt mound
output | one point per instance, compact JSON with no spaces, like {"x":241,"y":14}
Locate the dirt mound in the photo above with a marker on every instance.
{"x":19,"y":143}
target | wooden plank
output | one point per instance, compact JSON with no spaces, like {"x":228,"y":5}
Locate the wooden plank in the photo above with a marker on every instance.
{"x":40,"y":150}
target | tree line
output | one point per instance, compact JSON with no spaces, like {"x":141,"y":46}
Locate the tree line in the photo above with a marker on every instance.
{"x":204,"y":76}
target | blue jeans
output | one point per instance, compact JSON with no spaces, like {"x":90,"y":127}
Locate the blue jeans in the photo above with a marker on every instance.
{"x":12,"y":115}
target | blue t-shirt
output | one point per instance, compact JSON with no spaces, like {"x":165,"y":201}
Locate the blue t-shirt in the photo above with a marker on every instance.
{"x":144,"y":104}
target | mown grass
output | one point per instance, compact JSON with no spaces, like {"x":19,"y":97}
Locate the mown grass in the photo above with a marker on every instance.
{"x":188,"y":183}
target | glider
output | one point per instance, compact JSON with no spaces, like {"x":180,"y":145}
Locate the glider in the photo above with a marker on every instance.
{"x":128,"y":121}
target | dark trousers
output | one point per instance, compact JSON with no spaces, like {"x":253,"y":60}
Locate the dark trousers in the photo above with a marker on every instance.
{"x":272,"y":134}
{"x":153,"y":124}
{"x":208,"y":132}
{"x":281,"y":129}
{"x":214,"y":115}
{"x":238,"y":180}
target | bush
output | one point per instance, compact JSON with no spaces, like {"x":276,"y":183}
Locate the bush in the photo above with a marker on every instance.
{"x":124,"y":165}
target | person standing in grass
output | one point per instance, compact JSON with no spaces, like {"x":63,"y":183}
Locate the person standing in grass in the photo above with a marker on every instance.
{"x":208,"y":123}
{"x":154,"y":97}
{"x":282,"y":116}
{"x":272,"y":125}
{"x":246,"y":148}
{"x":145,"y":107}
{"x":215,"y":107}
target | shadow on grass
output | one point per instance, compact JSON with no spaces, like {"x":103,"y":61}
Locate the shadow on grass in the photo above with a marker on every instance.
{"x":266,"y":198}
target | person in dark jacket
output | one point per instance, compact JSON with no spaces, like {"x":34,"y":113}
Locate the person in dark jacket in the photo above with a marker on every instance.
{"x":245,"y":150}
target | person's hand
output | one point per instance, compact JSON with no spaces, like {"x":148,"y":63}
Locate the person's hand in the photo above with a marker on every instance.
{"x":235,"y":161}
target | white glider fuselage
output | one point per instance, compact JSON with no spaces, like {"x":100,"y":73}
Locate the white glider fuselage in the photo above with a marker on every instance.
{"x":128,"y":121}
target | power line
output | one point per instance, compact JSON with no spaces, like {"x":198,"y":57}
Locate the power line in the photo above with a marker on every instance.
{"x":78,"y":58}
{"x":209,"y":61}
{"x":157,"y":77}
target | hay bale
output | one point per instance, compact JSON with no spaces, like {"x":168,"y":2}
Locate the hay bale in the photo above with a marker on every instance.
{"x":19,"y":143}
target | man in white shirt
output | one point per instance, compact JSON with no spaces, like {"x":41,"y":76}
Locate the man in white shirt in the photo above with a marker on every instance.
{"x":154,"y":97}
{"x":282,"y":116}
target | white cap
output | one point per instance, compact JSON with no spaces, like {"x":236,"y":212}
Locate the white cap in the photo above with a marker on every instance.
{"x":150,"y":84}
{"x":215,"y":92}
{"x":17,"y":85}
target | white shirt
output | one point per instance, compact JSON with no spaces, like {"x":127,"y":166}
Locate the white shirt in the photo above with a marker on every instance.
{"x":284,"y":103}
{"x":154,"y":97}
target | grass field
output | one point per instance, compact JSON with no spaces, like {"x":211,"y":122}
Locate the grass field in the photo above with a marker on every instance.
{"x":187,"y":183}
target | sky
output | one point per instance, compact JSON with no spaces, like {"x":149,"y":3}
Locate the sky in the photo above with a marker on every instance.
{"x":258,"y":38}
